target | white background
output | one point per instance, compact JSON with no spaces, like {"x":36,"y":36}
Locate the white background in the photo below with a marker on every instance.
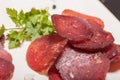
{"x":91,"y":7}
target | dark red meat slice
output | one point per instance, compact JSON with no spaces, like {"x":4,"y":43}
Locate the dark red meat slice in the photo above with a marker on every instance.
{"x":6,"y":69}
{"x":2,"y":40}
{"x":53,"y":74}
{"x":94,"y":21}
{"x":5,"y":55}
{"x":118,"y":51}
{"x":115,"y":64}
{"x":76,"y":65}
{"x":72,"y":28}
{"x":110,"y":51}
{"x":117,"y":54}
{"x":43,"y":51}
{"x":99,"y":40}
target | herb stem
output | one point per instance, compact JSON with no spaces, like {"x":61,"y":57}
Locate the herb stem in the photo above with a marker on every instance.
{"x":13,"y":28}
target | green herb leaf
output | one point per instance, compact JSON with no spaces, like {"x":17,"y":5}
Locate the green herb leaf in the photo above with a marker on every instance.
{"x":2,"y":30}
{"x":15,"y":38}
{"x":13,"y":15}
{"x":11,"y":12}
{"x":32,"y":24}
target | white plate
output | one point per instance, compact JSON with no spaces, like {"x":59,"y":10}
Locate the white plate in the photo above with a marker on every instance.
{"x":91,"y":7}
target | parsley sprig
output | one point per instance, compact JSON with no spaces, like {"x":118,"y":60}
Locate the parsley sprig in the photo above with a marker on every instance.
{"x":29,"y":25}
{"x":2,"y":30}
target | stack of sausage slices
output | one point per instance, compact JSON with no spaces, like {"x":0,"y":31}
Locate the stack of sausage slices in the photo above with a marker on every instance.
{"x":6,"y":65}
{"x":80,"y":49}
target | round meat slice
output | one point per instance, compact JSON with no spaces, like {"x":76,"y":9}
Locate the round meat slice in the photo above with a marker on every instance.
{"x":77,"y":65}
{"x":5,"y":55}
{"x":99,"y":40}
{"x":94,"y":21}
{"x":115,"y":64}
{"x":116,"y":55}
{"x":53,"y":74}
{"x":43,"y":51}
{"x":110,"y":51}
{"x":71,"y":27}
{"x":6,"y":70}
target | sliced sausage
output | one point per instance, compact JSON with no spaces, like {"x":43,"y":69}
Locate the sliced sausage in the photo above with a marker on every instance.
{"x":72,"y":28}
{"x":6,"y":70}
{"x":43,"y":51}
{"x":94,"y":21}
{"x":99,"y":40}
{"x":78,"y":65}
